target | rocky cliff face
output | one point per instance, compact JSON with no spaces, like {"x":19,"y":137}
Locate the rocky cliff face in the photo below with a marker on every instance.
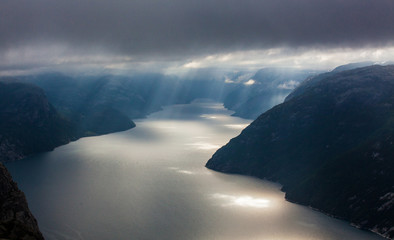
{"x":28,"y":122}
{"x":16,"y":220}
{"x":330,"y":144}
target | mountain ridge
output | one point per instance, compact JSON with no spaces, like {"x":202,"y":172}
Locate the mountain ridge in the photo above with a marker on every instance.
{"x":330,"y":146}
{"x":30,"y":124}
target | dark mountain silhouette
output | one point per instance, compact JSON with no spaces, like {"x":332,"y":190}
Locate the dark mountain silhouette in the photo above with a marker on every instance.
{"x":330,"y":144}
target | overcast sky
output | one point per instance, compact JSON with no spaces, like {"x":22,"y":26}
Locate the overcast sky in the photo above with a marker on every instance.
{"x":174,"y":35}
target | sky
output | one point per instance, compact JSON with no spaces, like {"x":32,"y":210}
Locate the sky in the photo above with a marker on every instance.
{"x":174,"y":36}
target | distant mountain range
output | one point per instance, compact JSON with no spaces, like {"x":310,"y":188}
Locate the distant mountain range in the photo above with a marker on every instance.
{"x":248,"y":94}
{"x":30,"y":124}
{"x":64,"y":108}
{"x":41,"y":112}
{"x":263,"y":90}
{"x":134,"y":96}
{"x":334,"y":130}
{"x":330,"y":144}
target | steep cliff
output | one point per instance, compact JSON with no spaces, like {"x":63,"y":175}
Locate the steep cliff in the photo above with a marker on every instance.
{"x":28,"y":122}
{"x":16,"y":220}
{"x":330,"y":144}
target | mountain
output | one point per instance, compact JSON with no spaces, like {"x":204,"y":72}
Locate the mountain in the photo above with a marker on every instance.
{"x":101,"y":120}
{"x":28,"y":122}
{"x":247,"y":93}
{"x":330,"y":145}
{"x":312,"y":80}
{"x":351,"y":66}
{"x":266,"y":88}
{"x":74,"y":96}
{"x":16,"y":220}
{"x":135,"y":96}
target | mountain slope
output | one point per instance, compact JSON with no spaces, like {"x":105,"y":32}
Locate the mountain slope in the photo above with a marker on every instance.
{"x":311,"y":81}
{"x":330,"y":145}
{"x":265,"y":89}
{"x":135,"y":96}
{"x":16,"y":220}
{"x":28,"y":122}
{"x":247,"y":93}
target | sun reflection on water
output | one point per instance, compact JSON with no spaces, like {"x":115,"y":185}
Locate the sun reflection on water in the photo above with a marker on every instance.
{"x":185,"y":172}
{"x":242,"y":201}
{"x":236,"y":126}
{"x":203,"y":145}
{"x":188,"y":172}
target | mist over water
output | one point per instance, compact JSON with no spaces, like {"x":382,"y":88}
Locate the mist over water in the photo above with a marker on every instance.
{"x":150,"y":183}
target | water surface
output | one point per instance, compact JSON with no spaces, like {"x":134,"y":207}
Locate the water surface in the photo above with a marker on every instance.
{"x":150,"y":183}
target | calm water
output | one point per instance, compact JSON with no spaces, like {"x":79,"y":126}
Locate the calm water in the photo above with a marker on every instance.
{"x":150,"y":183}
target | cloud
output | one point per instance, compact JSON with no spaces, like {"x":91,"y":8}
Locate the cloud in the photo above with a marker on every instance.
{"x":228,"y":80}
{"x":324,"y":59}
{"x":290,"y":85}
{"x":250,"y":82}
{"x":181,"y":33}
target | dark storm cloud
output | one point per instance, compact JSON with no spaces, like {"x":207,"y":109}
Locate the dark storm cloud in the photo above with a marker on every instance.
{"x":190,"y":27}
